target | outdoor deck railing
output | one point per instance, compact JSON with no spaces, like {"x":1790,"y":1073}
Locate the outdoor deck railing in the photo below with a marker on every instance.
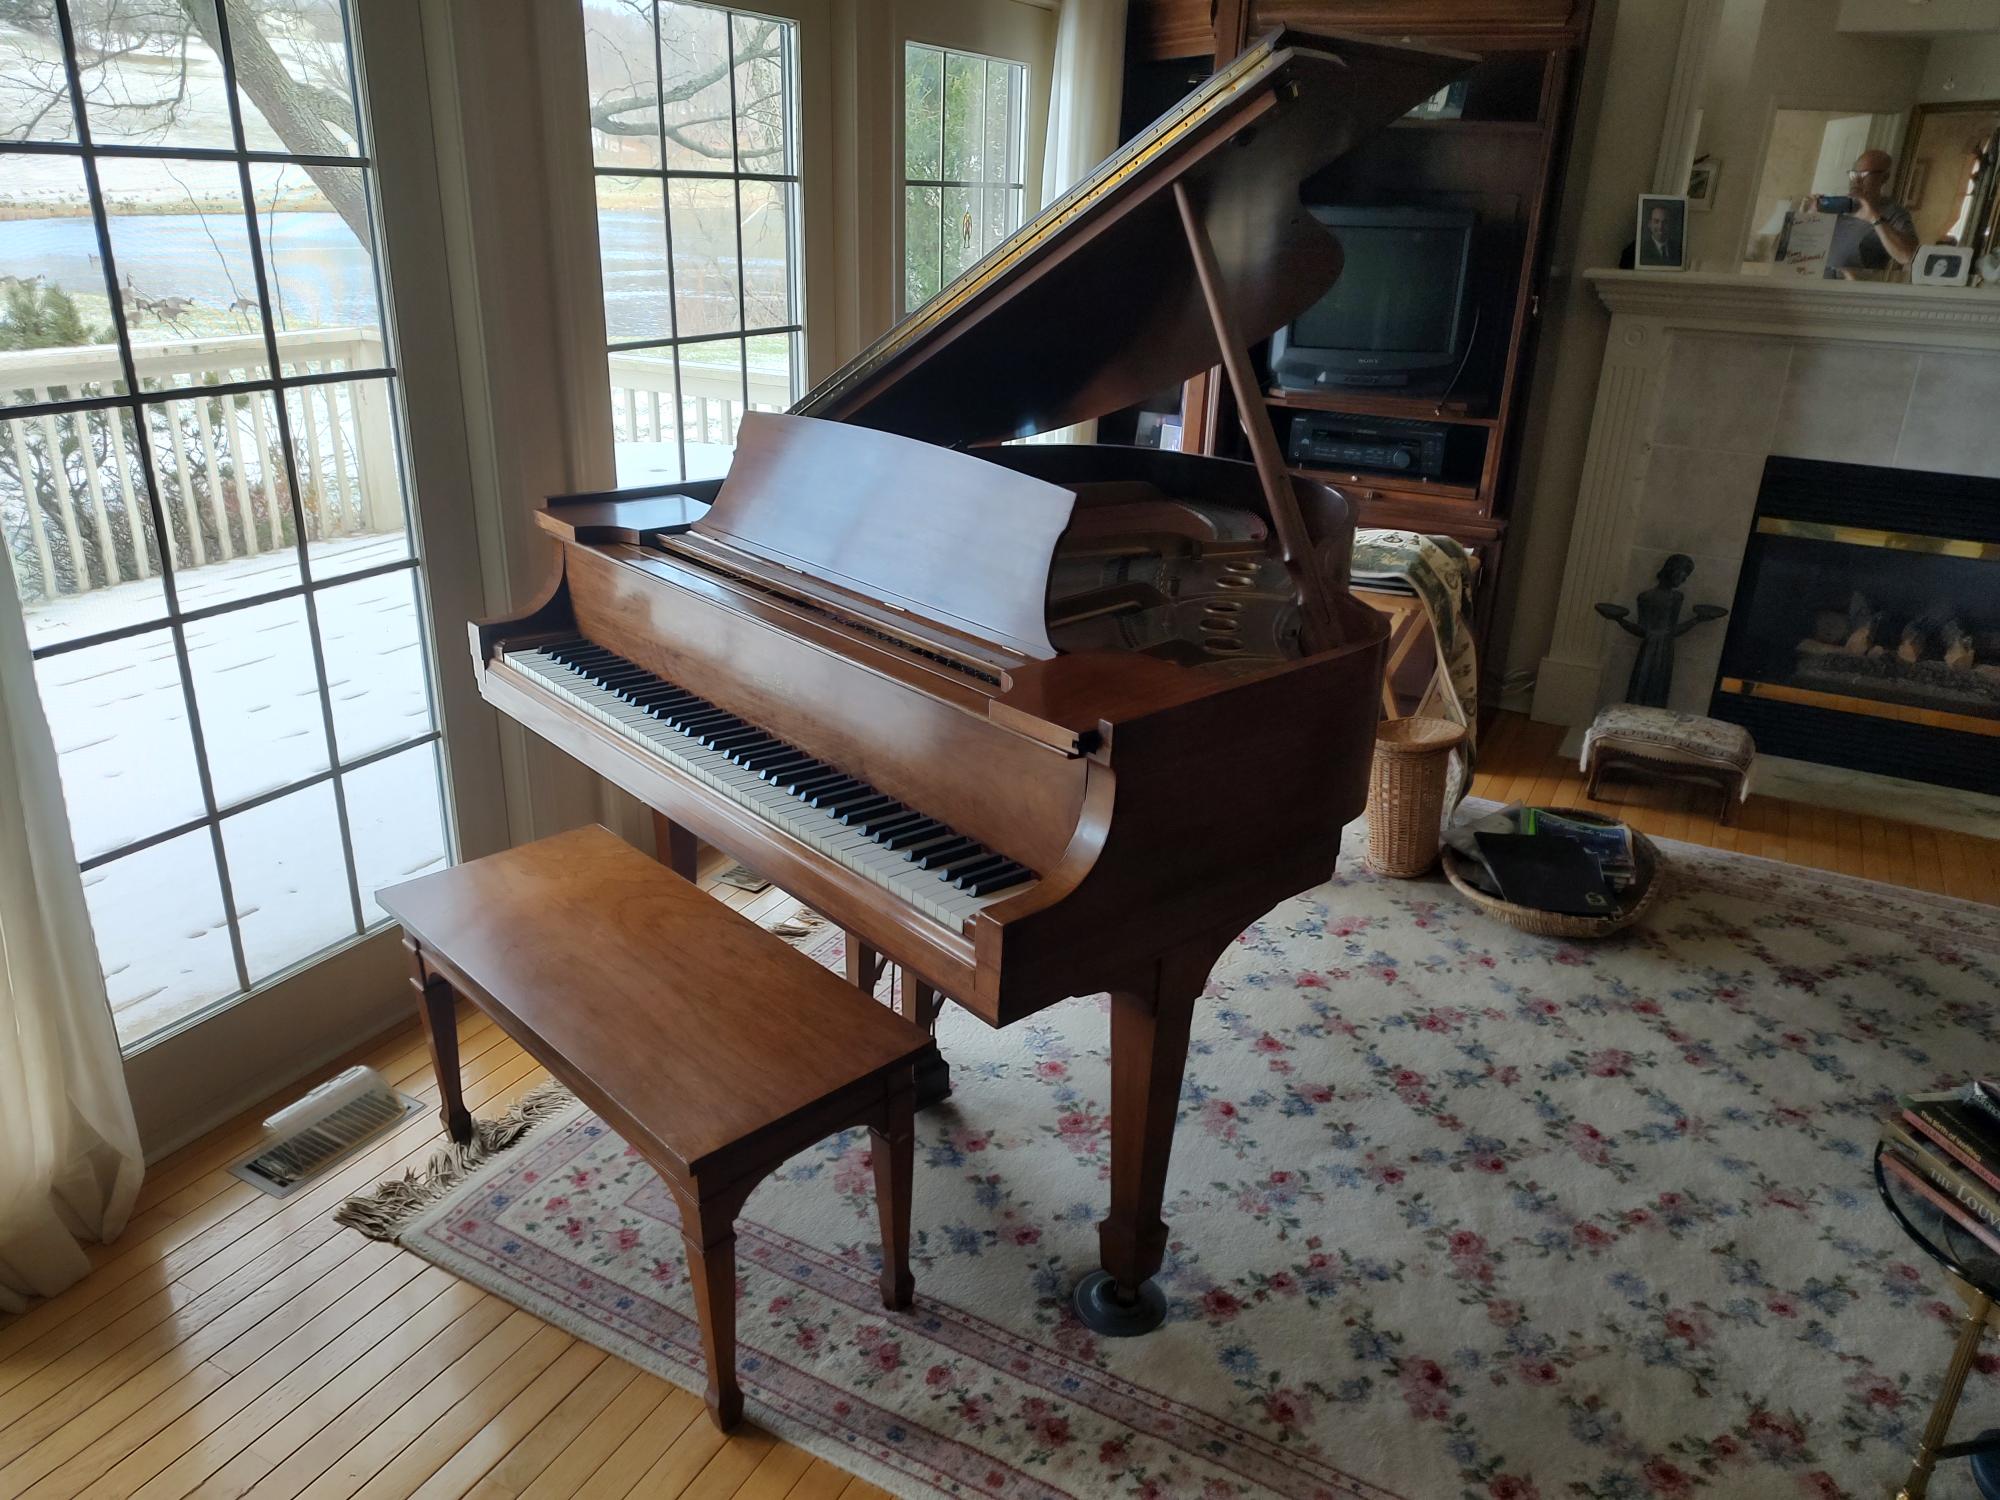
{"x":70,"y":487}
{"x":711,"y":400}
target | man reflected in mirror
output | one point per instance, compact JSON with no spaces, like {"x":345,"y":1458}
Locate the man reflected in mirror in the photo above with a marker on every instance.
{"x":1873,"y":232}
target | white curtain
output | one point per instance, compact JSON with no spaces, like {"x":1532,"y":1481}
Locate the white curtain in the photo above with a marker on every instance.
{"x":69,"y":1150}
{"x":1084,"y":97}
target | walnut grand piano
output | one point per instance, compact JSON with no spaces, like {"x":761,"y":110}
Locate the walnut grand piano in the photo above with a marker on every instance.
{"x":1031,"y":721}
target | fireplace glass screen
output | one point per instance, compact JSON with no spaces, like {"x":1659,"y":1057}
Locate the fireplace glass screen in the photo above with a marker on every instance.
{"x":1866,"y":626}
{"x":1875,"y":621}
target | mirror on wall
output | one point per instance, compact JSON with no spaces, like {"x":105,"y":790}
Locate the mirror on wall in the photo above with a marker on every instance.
{"x":1948,"y":180}
{"x":1840,"y":138}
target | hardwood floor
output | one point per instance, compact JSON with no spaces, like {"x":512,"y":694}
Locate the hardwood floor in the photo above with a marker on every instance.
{"x":1518,"y":762}
{"x":231,"y":1344}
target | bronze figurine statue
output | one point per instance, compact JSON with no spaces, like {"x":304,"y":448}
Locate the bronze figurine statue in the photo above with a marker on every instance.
{"x":1659,"y":625}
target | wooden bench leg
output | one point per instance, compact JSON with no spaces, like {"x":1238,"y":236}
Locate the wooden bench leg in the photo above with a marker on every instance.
{"x":894,"y":1150}
{"x":708,"y":1229}
{"x":440,"y":1011}
{"x":675,"y":847}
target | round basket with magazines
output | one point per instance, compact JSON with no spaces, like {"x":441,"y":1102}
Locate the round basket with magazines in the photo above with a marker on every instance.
{"x":1633,"y":901}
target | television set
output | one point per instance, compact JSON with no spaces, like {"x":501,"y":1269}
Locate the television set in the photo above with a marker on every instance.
{"x":1399,"y":313}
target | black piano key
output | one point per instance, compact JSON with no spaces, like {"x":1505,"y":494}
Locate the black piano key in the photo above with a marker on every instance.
{"x":949,"y":869}
{"x":934,"y":855}
{"x":805,"y":783}
{"x":785,"y":775}
{"x":843,"y":791}
{"x":917,"y":848}
{"x":999,"y":880}
{"x":918,"y":833}
{"x":965,"y":872}
{"x":780,"y":756}
{"x":881,"y":828}
{"x":854,"y":812}
{"x":727,"y":739}
{"x":663,"y":699}
{"x":837,"y":802}
{"x":683,"y":716}
{"x":698,"y":721}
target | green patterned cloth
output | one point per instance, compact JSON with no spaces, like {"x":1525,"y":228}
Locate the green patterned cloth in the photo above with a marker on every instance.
{"x":1439,"y":572}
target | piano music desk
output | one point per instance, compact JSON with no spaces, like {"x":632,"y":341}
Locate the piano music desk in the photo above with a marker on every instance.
{"x":713,"y":1048}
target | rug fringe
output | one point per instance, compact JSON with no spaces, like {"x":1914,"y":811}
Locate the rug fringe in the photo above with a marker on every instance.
{"x":385,"y":1210}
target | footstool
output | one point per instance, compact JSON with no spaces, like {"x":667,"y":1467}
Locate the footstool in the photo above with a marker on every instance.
{"x":1660,"y":743}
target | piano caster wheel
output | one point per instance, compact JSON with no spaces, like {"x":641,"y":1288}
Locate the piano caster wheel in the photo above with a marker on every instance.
{"x":1104,"y":1312}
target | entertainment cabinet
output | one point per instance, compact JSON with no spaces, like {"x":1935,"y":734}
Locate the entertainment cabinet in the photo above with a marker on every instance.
{"x":1500,"y":157}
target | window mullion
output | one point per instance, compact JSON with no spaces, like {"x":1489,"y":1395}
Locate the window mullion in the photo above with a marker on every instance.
{"x":226,"y":56}
{"x":736,"y":200}
{"x":673,"y":281}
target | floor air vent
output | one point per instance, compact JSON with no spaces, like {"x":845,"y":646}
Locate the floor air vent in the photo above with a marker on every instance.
{"x":304,"y":1139}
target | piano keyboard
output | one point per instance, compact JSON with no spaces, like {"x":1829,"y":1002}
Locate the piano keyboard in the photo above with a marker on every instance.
{"x":943,"y":874}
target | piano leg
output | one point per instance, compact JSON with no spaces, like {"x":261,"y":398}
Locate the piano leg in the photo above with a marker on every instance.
{"x":919,"y":1005}
{"x":674,"y":846}
{"x":864,"y":964}
{"x":1149,"y":1043}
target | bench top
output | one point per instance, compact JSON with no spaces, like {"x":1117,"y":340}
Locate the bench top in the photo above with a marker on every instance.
{"x":673,"y":1016}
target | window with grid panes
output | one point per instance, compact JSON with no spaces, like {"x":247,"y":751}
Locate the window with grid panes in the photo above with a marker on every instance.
{"x":201,"y":487}
{"x":693,"y":113}
{"x":964,"y":135}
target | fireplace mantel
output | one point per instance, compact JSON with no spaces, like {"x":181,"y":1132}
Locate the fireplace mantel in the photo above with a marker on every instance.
{"x":1806,"y":307}
{"x":1708,"y":374}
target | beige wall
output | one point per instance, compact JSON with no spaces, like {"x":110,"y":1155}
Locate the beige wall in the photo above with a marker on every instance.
{"x":1962,"y":67}
{"x":1627,"y":73}
{"x":1930,"y":15}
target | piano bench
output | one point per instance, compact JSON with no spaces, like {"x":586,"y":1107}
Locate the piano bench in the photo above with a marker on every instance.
{"x":715,"y":1049}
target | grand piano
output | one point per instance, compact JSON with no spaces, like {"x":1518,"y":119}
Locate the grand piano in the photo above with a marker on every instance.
{"x":1028,"y":721}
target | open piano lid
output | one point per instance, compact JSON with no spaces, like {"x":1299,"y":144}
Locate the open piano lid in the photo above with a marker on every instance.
{"x":1095,"y":305}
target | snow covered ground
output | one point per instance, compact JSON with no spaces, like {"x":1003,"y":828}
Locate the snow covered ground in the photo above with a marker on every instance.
{"x":119,"y":716}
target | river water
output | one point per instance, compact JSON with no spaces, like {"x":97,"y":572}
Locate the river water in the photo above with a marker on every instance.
{"x":323,"y":278}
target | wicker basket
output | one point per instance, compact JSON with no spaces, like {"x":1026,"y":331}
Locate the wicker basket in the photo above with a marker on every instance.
{"x":1643,"y":894}
{"x":1406,"y":794}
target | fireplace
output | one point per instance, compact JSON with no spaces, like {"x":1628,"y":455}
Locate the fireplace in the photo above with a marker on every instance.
{"x":1866,"y":627}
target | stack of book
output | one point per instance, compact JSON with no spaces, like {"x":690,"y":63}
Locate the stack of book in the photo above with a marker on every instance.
{"x":1945,"y":1149}
{"x":1533,"y":857}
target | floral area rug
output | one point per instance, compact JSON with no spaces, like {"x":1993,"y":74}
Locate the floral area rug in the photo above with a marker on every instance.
{"x":1455,"y":1212}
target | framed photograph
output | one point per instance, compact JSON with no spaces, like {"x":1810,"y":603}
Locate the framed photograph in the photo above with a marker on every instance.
{"x":1701,"y":183}
{"x":1662,"y":238}
{"x":1941,"y":265}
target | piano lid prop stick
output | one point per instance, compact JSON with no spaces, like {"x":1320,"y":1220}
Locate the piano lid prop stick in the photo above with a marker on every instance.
{"x":1293,"y":540}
